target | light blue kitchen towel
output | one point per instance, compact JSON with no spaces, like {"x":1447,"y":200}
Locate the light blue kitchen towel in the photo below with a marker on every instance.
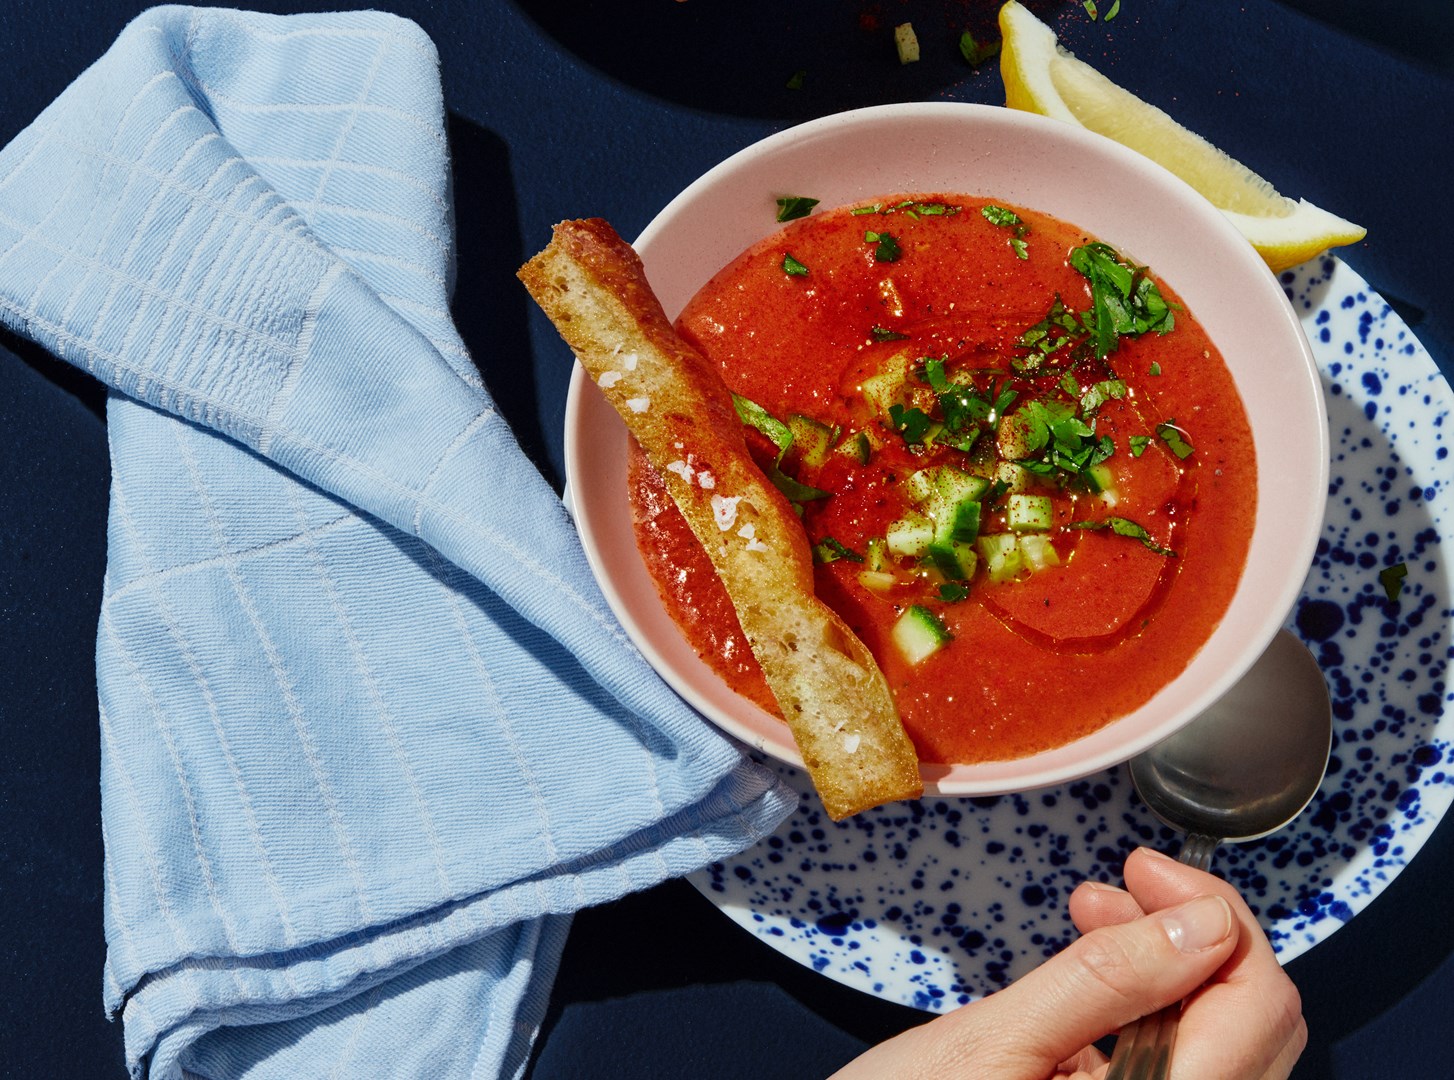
{"x":369,"y":732}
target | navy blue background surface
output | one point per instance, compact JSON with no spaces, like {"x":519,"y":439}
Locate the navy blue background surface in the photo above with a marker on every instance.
{"x":608,"y":109}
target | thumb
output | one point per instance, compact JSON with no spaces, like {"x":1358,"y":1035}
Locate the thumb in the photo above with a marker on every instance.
{"x":1105,"y":980}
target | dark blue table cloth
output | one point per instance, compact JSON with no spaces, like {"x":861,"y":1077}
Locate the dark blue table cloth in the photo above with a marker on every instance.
{"x":608,"y":109}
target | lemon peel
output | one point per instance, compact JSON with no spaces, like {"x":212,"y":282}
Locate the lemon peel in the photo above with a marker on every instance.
{"x":1040,"y":76}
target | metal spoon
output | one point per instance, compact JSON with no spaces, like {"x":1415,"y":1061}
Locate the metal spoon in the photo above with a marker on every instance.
{"x":1241,"y":770}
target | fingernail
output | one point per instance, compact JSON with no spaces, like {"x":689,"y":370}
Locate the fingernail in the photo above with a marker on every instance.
{"x":1198,"y":924}
{"x":1101,"y":886}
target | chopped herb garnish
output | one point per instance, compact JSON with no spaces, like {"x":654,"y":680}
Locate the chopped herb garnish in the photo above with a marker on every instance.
{"x":1125,"y":527}
{"x":1155,"y":368}
{"x":1059,"y":328}
{"x":964,"y":411}
{"x":952,"y":591}
{"x":998,"y":215}
{"x":912,"y":423}
{"x":795,"y":81}
{"x":965,"y":405}
{"x":830,"y":550}
{"x":795,"y":490}
{"x":1392,"y":579}
{"x":1139,"y":443}
{"x":781,"y":436}
{"x":974,"y":52}
{"x":1055,"y":440}
{"x":1175,"y":439}
{"x":909,"y":208}
{"x":756,"y":417}
{"x":886,"y":247}
{"x":1124,"y":300}
{"x":793,"y":267}
{"x":883,"y":333}
{"x":790,"y":207}
{"x":1008,"y":219}
{"x":1099,"y":393}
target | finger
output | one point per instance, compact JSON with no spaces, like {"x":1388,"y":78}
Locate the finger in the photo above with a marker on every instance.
{"x":1089,"y":1062}
{"x":1282,"y":1065}
{"x":1094,"y":904}
{"x":1246,"y":1023}
{"x":1157,"y":881}
{"x":1240,"y":1029}
{"x":1108,"y":978}
{"x":1101,"y":982}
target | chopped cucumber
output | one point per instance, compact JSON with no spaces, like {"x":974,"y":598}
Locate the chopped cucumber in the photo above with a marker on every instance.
{"x":1014,"y":476}
{"x":918,"y":486}
{"x":1013,"y":438}
{"x":812,"y":439}
{"x":879,"y":581}
{"x":1102,"y":482}
{"x":855,"y":446}
{"x":919,"y":634}
{"x":1029,"y":513}
{"x":957,"y":485}
{"x":1003,"y":558}
{"x":910,"y":535}
{"x":954,"y":520}
{"x":954,"y":560}
{"x":883,"y":390}
{"x":1038,"y":551}
{"x":944,"y":482}
{"x":874,"y":557}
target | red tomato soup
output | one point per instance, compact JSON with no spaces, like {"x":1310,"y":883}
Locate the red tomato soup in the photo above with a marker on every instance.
{"x":1025,"y":471}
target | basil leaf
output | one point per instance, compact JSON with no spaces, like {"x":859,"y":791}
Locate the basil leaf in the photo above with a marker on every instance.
{"x":792,"y":267}
{"x":952,"y":591}
{"x":998,"y":215}
{"x":756,"y":417}
{"x":1125,"y":527}
{"x":1392,"y":579}
{"x":1175,"y":439}
{"x":913,"y":424}
{"x":795,"y":490}
{"x":975,"y":53}
{"x":781,"y":436}
{"x":790,"y":207}
{"x":830,"y":550}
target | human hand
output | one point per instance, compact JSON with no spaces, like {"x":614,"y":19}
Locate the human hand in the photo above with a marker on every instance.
{"x":1173,"y":933}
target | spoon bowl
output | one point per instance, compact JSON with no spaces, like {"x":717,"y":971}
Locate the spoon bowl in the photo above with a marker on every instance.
{"x":1241,"y":770}
{"x":1252,"y":762}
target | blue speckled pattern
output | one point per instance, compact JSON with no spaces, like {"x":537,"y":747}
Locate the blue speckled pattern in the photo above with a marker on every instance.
{"x":935,"y":903}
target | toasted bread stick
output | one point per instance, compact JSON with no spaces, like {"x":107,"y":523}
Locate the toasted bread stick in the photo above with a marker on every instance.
{"x":828,"y":687}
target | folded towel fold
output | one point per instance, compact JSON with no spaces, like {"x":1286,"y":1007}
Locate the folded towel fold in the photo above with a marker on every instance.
{"x":369,"y":731}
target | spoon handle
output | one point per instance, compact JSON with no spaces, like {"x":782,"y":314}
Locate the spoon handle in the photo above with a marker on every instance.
{"x":1197,"y":851}
{"x":1143,"y":1048}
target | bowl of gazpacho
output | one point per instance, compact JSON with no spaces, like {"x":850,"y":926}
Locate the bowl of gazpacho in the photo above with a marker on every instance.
{"x":1051,"y":426}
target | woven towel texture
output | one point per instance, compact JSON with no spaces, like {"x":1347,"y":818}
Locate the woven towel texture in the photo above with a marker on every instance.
{"x":369,"y":730}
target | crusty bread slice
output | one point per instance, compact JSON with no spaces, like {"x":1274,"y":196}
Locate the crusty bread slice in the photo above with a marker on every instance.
{"x":830,"y":690}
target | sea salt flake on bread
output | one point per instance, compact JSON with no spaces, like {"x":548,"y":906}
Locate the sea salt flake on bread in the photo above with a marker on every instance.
{"x":828,"y":687}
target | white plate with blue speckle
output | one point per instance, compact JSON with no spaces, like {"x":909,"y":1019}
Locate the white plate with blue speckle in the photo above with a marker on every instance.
{"x":935,"y":903}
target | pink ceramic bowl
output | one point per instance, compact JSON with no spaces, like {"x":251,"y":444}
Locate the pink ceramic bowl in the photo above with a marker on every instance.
{"x":1119,"y":197}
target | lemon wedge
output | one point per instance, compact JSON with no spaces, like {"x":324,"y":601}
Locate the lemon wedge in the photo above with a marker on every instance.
{"x":1044,"y":78}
